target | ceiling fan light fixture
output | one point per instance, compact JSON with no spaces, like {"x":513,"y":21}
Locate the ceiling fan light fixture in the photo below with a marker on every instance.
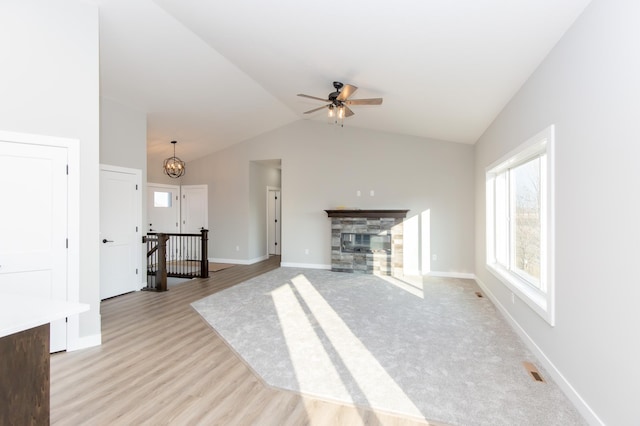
{"x":341,"y":112}
{"x":173,"y":166}
{"x":338,"y":103}
{"x":331,"y":114}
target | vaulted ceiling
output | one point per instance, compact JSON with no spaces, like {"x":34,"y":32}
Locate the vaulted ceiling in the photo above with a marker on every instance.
{"x":213,"y":73}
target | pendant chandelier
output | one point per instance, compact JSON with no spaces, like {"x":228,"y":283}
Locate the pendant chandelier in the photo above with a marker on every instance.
{"x":173,"y":166}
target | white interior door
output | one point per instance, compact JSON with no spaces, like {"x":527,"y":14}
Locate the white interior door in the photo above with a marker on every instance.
{"x":163,"y":208}
{"x":120,"y":267}
{"x":273,"y":221}
{"x":194,"y":209}
{"x":33,"y":225}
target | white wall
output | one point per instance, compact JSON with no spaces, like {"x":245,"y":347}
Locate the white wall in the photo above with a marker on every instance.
{"x":589,"y":87}
{"x":123,"y":143}
{"x":123,"y":136}
{"x":322,"y":168}
{"x":49,"y":85}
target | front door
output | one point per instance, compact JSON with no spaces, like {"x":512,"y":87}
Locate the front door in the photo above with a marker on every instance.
{"x":163,"y":214}
{"x":33,"y":225}
{"x":163,"y":208}
{"x":120,"y":241}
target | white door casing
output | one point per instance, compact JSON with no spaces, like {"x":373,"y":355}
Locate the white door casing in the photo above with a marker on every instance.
{"x":273,"y":221}
{"x":120,"y":204}
{"x":34,"y":231}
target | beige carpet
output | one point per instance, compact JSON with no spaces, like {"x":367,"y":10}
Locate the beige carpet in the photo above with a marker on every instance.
{"x":215,"y":267}
{"x":429,"y":348}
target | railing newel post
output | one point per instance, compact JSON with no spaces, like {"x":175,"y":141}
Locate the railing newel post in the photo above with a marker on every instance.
{"x":161,"y":273}
{"x":204,"y":253}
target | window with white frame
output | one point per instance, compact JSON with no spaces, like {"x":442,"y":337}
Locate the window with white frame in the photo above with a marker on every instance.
{"x":519,"y":201}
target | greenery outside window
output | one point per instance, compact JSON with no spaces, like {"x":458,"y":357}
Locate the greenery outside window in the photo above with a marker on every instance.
{"x":519,"y":202}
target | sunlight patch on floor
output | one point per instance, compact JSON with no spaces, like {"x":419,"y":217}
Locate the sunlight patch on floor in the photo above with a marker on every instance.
{"x":371,"y":379}
{"x":412,"y":285}
{"x":302,"y":341}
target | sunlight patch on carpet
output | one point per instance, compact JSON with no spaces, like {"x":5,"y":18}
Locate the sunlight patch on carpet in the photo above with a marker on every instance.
{"x":304,"y":346}
{"x":426,"y":347}
{"x":371,"y":382}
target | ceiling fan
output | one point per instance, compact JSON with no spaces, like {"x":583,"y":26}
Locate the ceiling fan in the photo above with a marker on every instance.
{"x":338,"y":102}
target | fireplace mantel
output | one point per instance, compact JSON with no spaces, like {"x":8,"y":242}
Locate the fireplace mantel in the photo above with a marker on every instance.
{"x":400,"y":214}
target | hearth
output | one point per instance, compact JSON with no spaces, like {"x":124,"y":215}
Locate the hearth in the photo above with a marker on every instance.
{"x":367,"y":241}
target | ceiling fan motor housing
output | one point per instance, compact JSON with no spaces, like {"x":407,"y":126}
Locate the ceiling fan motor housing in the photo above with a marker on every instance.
{"x":333,"y":95}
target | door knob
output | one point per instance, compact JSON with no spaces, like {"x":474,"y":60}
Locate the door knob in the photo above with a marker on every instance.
{"x":107,"y":241}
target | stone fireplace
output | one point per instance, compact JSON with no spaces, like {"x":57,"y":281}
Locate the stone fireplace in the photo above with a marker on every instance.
{"x":367,"y":241}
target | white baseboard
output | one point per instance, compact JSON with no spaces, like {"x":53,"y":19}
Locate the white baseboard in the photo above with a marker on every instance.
{"x":566,"y":387}
{"x":84,"y":342}
{"x":304,"y":265}
{"x":463,"y":275}
{"x":239,"y":261}
{"x":419,"y":273}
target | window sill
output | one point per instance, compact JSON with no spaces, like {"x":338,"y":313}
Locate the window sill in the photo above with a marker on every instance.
{"x":534,"y":298}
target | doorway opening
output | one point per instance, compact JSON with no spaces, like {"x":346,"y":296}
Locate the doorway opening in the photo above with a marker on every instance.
{"x":274,"y":221}
{"x":265,"y":177}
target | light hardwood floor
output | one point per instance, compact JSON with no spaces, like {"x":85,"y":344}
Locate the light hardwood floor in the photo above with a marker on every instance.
{"x":160,"y":363}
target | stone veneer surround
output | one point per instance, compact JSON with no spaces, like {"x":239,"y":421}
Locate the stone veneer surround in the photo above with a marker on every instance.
{"x":367,"y":222}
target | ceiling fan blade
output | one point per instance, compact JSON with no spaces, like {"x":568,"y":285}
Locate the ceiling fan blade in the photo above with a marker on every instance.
{"x":315,"y":109}
{"x":372,"y":101}
{"x":313,"y":97}
{"x":347,"y":111}
{"x":347,"y":90}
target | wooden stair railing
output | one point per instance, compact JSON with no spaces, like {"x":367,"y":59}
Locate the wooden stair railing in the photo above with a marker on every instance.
{"x":176,"y":255}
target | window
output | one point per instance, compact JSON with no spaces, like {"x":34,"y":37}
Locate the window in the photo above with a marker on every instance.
{"x":519,"y":198}
{"x":161,"y":199}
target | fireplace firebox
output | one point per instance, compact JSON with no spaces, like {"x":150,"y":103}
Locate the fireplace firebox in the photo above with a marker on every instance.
{"x":367,"y":241}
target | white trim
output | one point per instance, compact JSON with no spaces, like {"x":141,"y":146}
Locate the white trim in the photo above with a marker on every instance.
{"x":581,"y":405}
{"x":73,"y":215}
{"x":421,"y":273}
{"x":541,"y":301}
{"x":525,"y":151}
{"x":84,"y":342}
{"x":163,"y":185}
{"x":462,"y":275}
{"x":304,"y":265}
{"x":138,"y":176}
{"x":239,"y":261}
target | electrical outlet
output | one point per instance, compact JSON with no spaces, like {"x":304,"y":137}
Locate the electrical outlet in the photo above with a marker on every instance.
{"x":306,"y":251}
{"x":358,"y":193}
{"x":372,"y":193}
{"x":237,"y":248}
{"x":434,"y":257}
